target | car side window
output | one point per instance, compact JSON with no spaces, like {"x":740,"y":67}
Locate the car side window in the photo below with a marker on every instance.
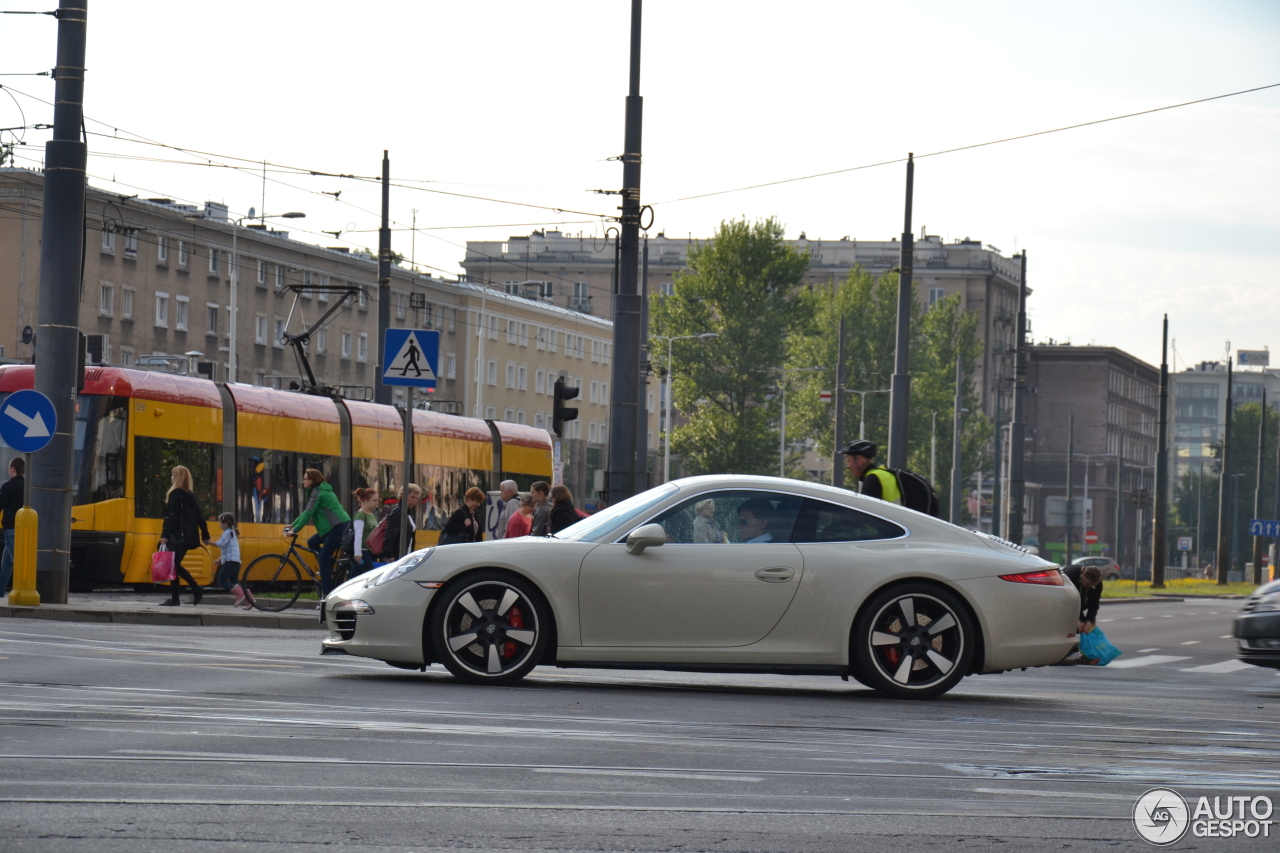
{"x":827,"y":522}
{"x":737,"y":516}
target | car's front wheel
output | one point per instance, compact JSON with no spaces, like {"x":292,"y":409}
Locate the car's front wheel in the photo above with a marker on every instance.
{"x":913,"y":641}
{"x":490,"y":628}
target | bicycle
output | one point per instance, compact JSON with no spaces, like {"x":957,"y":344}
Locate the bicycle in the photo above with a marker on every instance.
{"x":274,"y":581}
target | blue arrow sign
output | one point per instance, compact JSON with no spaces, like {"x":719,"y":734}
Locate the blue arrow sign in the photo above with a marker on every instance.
{"x":411,"y":357}
{"x":1262,"y":527}
{"x":27,"y":421}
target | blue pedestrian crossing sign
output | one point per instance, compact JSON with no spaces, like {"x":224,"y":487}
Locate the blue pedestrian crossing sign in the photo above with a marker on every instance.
{"x":411,"y":357}
{"x":27,"y":421}
{"x":1263,"y":527}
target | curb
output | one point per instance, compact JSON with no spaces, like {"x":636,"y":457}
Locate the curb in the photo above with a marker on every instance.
{"x":66,"y":613}
{"x":1178,"y":596}
{"x":1140,"y":600}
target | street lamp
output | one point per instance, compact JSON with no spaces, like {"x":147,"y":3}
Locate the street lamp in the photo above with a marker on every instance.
{"x":233,"y":363}
{"x":666,"y":405}
{"x":862,"y":412}
{"x":782,"y":439}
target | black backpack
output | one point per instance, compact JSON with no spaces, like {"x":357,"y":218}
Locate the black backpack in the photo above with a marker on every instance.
{"x":917,"y":492}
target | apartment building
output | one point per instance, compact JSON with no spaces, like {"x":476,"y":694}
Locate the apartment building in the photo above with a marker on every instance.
{"x":1197,"y":409}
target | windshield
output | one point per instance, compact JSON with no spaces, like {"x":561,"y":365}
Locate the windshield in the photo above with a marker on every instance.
{"x":608,"y":523}
{"x":102,"y":435}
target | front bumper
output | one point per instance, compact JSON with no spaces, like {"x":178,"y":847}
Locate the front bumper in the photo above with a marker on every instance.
{"x":1258,"y":638}
{"x":393,"y":631}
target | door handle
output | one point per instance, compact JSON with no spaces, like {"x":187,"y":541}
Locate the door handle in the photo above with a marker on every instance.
{"x":776,"y":575}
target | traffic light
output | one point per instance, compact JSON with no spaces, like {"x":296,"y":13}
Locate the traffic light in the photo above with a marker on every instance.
{"x":561,"y":413}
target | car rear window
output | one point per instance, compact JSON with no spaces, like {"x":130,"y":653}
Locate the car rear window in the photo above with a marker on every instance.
{"x":820,"y":521}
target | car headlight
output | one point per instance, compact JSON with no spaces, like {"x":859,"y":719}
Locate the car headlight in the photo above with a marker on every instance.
{"x":1268,"y":602}
{"x":404,"y":565}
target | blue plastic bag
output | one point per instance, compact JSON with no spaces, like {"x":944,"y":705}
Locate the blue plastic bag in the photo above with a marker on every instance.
{"x":1095,"y":646}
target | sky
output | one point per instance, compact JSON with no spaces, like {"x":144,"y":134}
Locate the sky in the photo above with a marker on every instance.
{"x":1176,"y":212}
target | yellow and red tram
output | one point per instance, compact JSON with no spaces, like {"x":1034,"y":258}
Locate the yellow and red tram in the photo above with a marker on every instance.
{"x":247,"y":447}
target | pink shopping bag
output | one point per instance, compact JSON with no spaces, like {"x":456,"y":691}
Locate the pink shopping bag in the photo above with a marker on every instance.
{"x":162,"y":566}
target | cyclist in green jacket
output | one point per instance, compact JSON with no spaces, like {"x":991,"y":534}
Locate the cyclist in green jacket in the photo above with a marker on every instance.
{"x":325,"y":511}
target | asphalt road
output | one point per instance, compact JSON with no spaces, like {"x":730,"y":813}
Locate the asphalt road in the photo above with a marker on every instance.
{"x":139,"y":738}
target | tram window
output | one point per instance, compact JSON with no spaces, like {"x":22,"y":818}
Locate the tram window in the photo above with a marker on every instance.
{"x":269,"y":483}
{"x":101,"y":443}
{"x":443,"y":489}
{"x":156,"y":458}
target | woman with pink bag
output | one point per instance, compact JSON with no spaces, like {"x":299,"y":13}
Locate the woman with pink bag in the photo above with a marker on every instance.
{"x":184,"y":529}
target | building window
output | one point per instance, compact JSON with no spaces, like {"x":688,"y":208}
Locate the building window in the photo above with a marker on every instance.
{"x":490,"y":412}
{"x":363,"y":300}
{"x":935,"y":294}
{"x":362,"y":347}
{"x":652,"y":446}
{"x":540,"y":337}
{"x":306,"y":282}
{"x":538,"y":421}
{"x":522,"y":378}
{"x":346,"y":345}
{"x":540,"y":381}
{"x":260,"y":329}
{"x":493,"y":328}
{"x":162,"y":251}
{"x":322,"y":341}
{"x":108,"y":242}
{"x":184,"y":254}
{"x":323,"y":295}
{"x":492,"y":371}
{"x":211,"y":310}
{"x":552,"y":334}
{"x":126,"y":357}
{"x":126,"y":303}
{"x":425,"y":315}
{"x":591,"y":433}
{"x":451,"y":366}
{"x":162,"y":310}
{"x":106,"y":300}
{"x":181,"y":306}
{"x":279,"y":270}
{"x":595,"y":392}
{"x":131,"y":244}
{"x":453,"y":320}
{"x":607,"y":352}
{"x":648,"y":403}
{"x":213,"y":261}
{"x":278,"y":340}
{"x":512,"y":328}
{"x":259,"y":378}
{"x":667,"y":288}
{"x":509,"y":415}
{"x":521,"y":416}
{"x":262,"y":273}
{"x":402,"y":302}
{"x":604,"y":393}
{"x":524,"y":334}
{"x":511,"y":374}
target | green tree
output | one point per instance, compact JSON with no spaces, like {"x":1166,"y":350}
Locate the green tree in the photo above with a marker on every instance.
{"x":744,"y":285}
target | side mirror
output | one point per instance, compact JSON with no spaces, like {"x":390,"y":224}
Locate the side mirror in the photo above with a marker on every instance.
{"x":649,"y":536}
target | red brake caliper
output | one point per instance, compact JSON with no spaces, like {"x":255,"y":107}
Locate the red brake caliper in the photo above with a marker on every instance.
{"x":517,"y":621}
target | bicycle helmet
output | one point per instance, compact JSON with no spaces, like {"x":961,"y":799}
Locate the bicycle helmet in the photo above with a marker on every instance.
{"x":861,"y":447}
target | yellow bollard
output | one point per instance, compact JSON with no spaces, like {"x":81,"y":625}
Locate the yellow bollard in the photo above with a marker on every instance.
{"x":24,"y":558}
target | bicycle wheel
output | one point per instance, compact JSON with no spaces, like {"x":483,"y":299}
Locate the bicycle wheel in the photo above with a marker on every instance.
{"x":272,"y":581}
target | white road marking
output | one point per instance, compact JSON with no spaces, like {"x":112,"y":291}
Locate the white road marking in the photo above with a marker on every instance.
{"x":1219,"y":668}
{"x":1191,"y":643}
{"x":1226,"y":637}
{"x":1146,"y":661}
{"x":1138,"y":618}
{"x":1017,"y":792}
{"x":1106,"y":620}
{"x":1168,"y":616}
{"x":649,"y":773}
{"x":1144,"y":651}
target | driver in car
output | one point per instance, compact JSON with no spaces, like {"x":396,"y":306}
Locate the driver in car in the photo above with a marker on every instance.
{"x":754,"y":517}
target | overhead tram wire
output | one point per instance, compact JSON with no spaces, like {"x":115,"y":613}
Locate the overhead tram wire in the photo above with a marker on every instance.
{"x":968,"y":147}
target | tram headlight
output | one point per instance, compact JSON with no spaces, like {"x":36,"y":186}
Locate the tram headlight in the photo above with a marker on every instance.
{"x":404,"y":565}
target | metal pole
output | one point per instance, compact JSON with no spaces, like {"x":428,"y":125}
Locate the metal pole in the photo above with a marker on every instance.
{"x":382,"y":393}
{"x":1119,"y":536}
{"x":58,"y":369}
{"x":1160,"y":506}
{"x":837,"y":469}
{"x":782,"y":436}
{"x":995,"y":489}
{"x":1200,"y":516}
{"x":1084,"y":509}
{"x":1222,"y":557}
{"x":900,"y":385}
{"x":1235,"y":518}
{"x":408,"y":478}
{"x":642,"y":379}
{"x":1257,"y":492}
{"x":1017,"y":429}
{"x":862,"y":415}
{"x":933,"y":448}
{"x":1071,"y":455}
{"x":955,"y":449}
{"x":666,"y":405}
{"x":626,"y":317}
{"x":232,"y":339}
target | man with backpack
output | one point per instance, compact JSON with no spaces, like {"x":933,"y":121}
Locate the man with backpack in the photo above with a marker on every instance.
{"x":895,"y":486}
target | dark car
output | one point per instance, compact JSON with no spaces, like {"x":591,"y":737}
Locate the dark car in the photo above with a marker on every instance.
{"x":1257,"y":628}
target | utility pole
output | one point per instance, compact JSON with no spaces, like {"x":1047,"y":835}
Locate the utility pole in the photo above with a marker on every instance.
{"x":1119,"y":537}
{"x":642,"y":388}
{"x":382,"y":393}
{"x":1223,"y":556}
{"x":59,"y":369}
{"x":626,"y":312}
{"x":1071,"y":455}
{"x":933,"y":448}
{"x":1200,"y":516}
{"x":837,"y":471}
{"x":1017,"y":429}
{"x":900,"y":385}
{"x":1160,"y":506}
{"x":955,"y":447}
{"x":1257,"y":492}
{"x":995,"y":489}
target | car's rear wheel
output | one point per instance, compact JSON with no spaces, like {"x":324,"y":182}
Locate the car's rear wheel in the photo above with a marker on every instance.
{"x":913,"y":641}
{"x":490,"y":628}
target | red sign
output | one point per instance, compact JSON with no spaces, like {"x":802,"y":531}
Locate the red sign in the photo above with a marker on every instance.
{"x":825,"y":396}
{"x":1091,"y":537}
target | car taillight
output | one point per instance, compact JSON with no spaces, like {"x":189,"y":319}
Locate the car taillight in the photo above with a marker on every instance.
{"x":1049,"y":577}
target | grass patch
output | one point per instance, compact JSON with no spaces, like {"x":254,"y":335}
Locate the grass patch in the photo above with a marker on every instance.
{"x":1186,"y":586}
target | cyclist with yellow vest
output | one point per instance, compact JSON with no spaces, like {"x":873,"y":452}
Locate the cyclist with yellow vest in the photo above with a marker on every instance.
{"x":877,"y":481}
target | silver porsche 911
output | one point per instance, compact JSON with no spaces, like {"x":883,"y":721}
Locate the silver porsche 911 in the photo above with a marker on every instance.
{"x":720,"y":574}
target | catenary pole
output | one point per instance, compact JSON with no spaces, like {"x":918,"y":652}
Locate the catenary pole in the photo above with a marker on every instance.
{"x":382,"y":393}
{"x":1257,"y":492}
{"x":642,"y":388}
{"x":58,"y":369}
{"x":1160,"y":506}
{"x":837,"y":470}
{"x":626,"y":312}
{"x":955,"y":446}
{"x":1223,"y":556}
{"x":996,"y":518}
{"x":900,"y":384}
{"x":1071,"y":455}
{"x":1017,"y":429}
